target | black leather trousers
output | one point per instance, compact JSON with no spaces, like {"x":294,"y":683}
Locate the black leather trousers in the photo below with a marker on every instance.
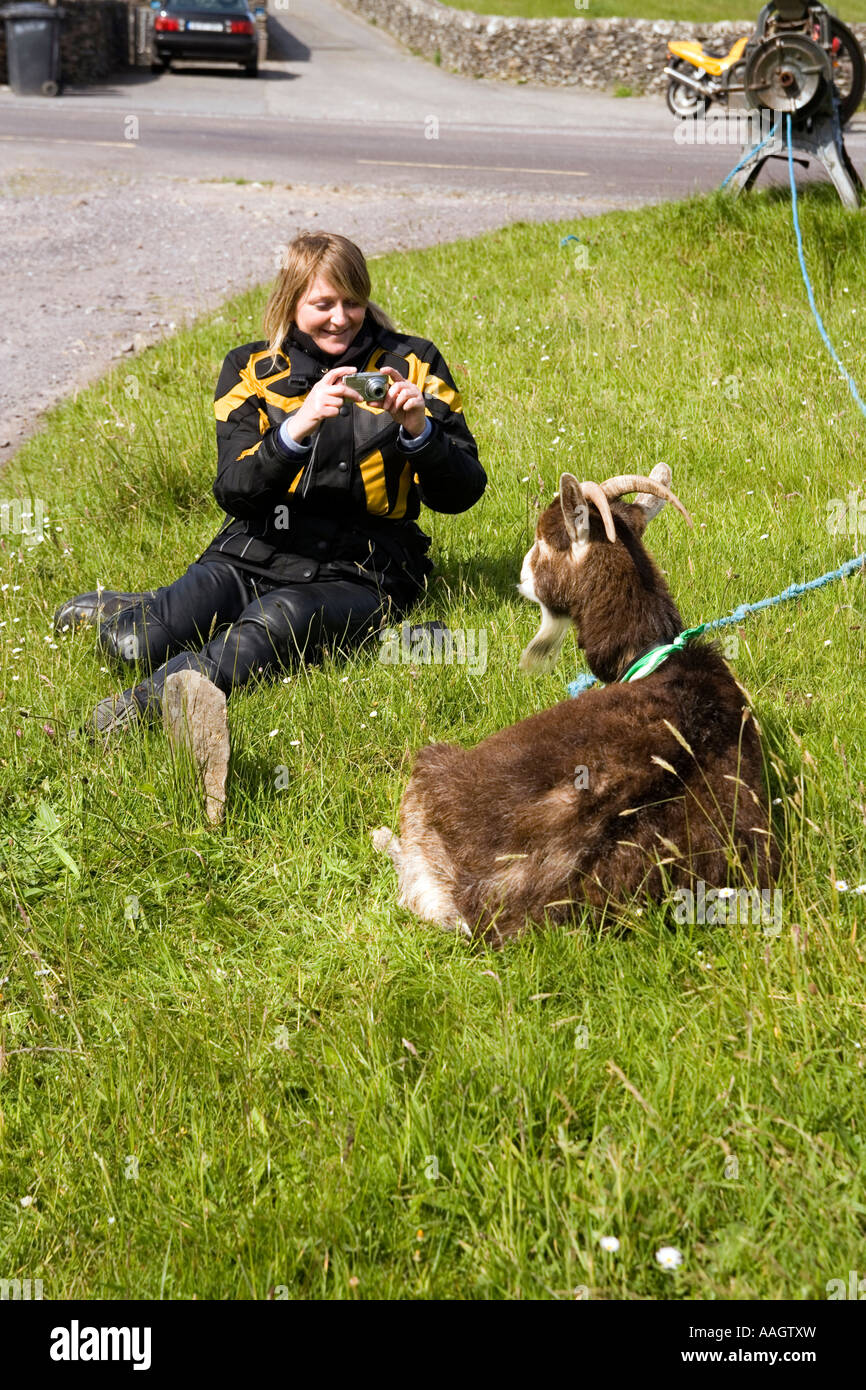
{"x":233,"y":627}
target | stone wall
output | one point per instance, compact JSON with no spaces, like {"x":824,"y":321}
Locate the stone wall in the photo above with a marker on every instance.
{"x":599,"y":53}
{"x":94,"y":40}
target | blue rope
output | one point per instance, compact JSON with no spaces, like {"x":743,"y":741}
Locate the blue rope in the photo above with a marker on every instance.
{"x":748,"y":155}
{"x":800,"y":256}
{"x":583,"y":682}
{"x":821,"y":329}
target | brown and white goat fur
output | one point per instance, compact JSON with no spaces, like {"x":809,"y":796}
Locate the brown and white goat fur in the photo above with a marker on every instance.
{"x":631,"y":789}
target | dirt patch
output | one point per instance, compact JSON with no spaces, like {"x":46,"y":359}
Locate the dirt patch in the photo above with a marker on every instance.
{"x":98,"y":266}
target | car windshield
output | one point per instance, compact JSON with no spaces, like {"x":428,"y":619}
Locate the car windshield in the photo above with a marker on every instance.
{"x":207,"y":6}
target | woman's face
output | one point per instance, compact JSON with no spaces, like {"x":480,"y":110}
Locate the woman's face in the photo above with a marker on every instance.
{"x":330,"y":319}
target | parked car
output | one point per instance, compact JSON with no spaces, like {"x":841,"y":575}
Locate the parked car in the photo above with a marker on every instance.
{"x":223,"y":31}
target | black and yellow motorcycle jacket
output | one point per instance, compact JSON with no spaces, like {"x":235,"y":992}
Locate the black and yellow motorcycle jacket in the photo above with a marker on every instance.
{"x":346,"y":508}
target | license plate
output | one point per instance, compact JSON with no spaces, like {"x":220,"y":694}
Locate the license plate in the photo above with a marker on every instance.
{"x":203,"y":27}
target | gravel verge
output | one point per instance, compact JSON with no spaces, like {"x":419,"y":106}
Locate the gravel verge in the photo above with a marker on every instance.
{"x":100,"y":265}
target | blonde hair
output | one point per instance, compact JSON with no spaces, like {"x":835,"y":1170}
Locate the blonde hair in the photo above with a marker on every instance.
{"x":310,"y":254}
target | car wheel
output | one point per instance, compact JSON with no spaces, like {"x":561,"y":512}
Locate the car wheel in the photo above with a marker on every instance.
{"x":252,"y":69}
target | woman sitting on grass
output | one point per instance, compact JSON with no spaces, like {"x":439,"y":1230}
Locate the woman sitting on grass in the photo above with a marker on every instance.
{"x":321,"y":489}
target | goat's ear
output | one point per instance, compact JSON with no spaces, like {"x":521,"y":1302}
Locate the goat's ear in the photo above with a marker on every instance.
{"x":650,"y":505}
{"x":575,"y":511}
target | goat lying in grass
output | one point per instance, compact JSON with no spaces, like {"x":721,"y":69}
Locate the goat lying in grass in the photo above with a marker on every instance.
{"x":634,"y":788}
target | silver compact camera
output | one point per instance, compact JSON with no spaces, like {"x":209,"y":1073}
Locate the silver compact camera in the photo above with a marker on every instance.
{"x":371,"y":386}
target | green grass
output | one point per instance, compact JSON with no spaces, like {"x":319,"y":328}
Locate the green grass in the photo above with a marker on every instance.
{"x":317,"y":1093}
{"x":685,"y":11}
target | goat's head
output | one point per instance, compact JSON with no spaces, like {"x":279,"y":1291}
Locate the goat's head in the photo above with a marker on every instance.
{"x":588,"y":567}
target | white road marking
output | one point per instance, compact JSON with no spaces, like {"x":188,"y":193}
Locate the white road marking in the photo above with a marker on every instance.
{"x":59,"y":140}
{"x":494,"y":168}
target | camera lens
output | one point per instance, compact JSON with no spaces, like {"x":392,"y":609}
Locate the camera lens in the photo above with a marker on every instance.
{"x":377,"y":390}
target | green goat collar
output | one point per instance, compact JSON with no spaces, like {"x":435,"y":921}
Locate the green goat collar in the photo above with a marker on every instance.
{"x":651,"y":660}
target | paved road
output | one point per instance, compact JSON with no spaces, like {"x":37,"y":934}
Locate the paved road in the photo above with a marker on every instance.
{"x":121,"y":219}
{"x":343,"y":103}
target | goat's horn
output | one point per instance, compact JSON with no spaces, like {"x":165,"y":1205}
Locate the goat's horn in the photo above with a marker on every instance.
{"x":632,"y":482}
{"x":593,"y":492}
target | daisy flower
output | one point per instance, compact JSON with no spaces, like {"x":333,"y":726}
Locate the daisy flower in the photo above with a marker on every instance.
{"x":669,"y":1257}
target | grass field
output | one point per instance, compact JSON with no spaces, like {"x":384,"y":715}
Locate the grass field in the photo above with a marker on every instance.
{"x":706,"y":11}
{"x":230,"y":1064}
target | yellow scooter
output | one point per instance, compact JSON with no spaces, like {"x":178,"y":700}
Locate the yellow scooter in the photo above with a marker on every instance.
{"x":698,"y":77}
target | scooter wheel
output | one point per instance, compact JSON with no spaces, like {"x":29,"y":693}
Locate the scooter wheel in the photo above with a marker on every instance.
{"x":684,"y":101}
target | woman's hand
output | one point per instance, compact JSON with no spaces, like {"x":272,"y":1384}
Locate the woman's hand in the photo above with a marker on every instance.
{"x":404,"y":402}
{"x":323,"y":400}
